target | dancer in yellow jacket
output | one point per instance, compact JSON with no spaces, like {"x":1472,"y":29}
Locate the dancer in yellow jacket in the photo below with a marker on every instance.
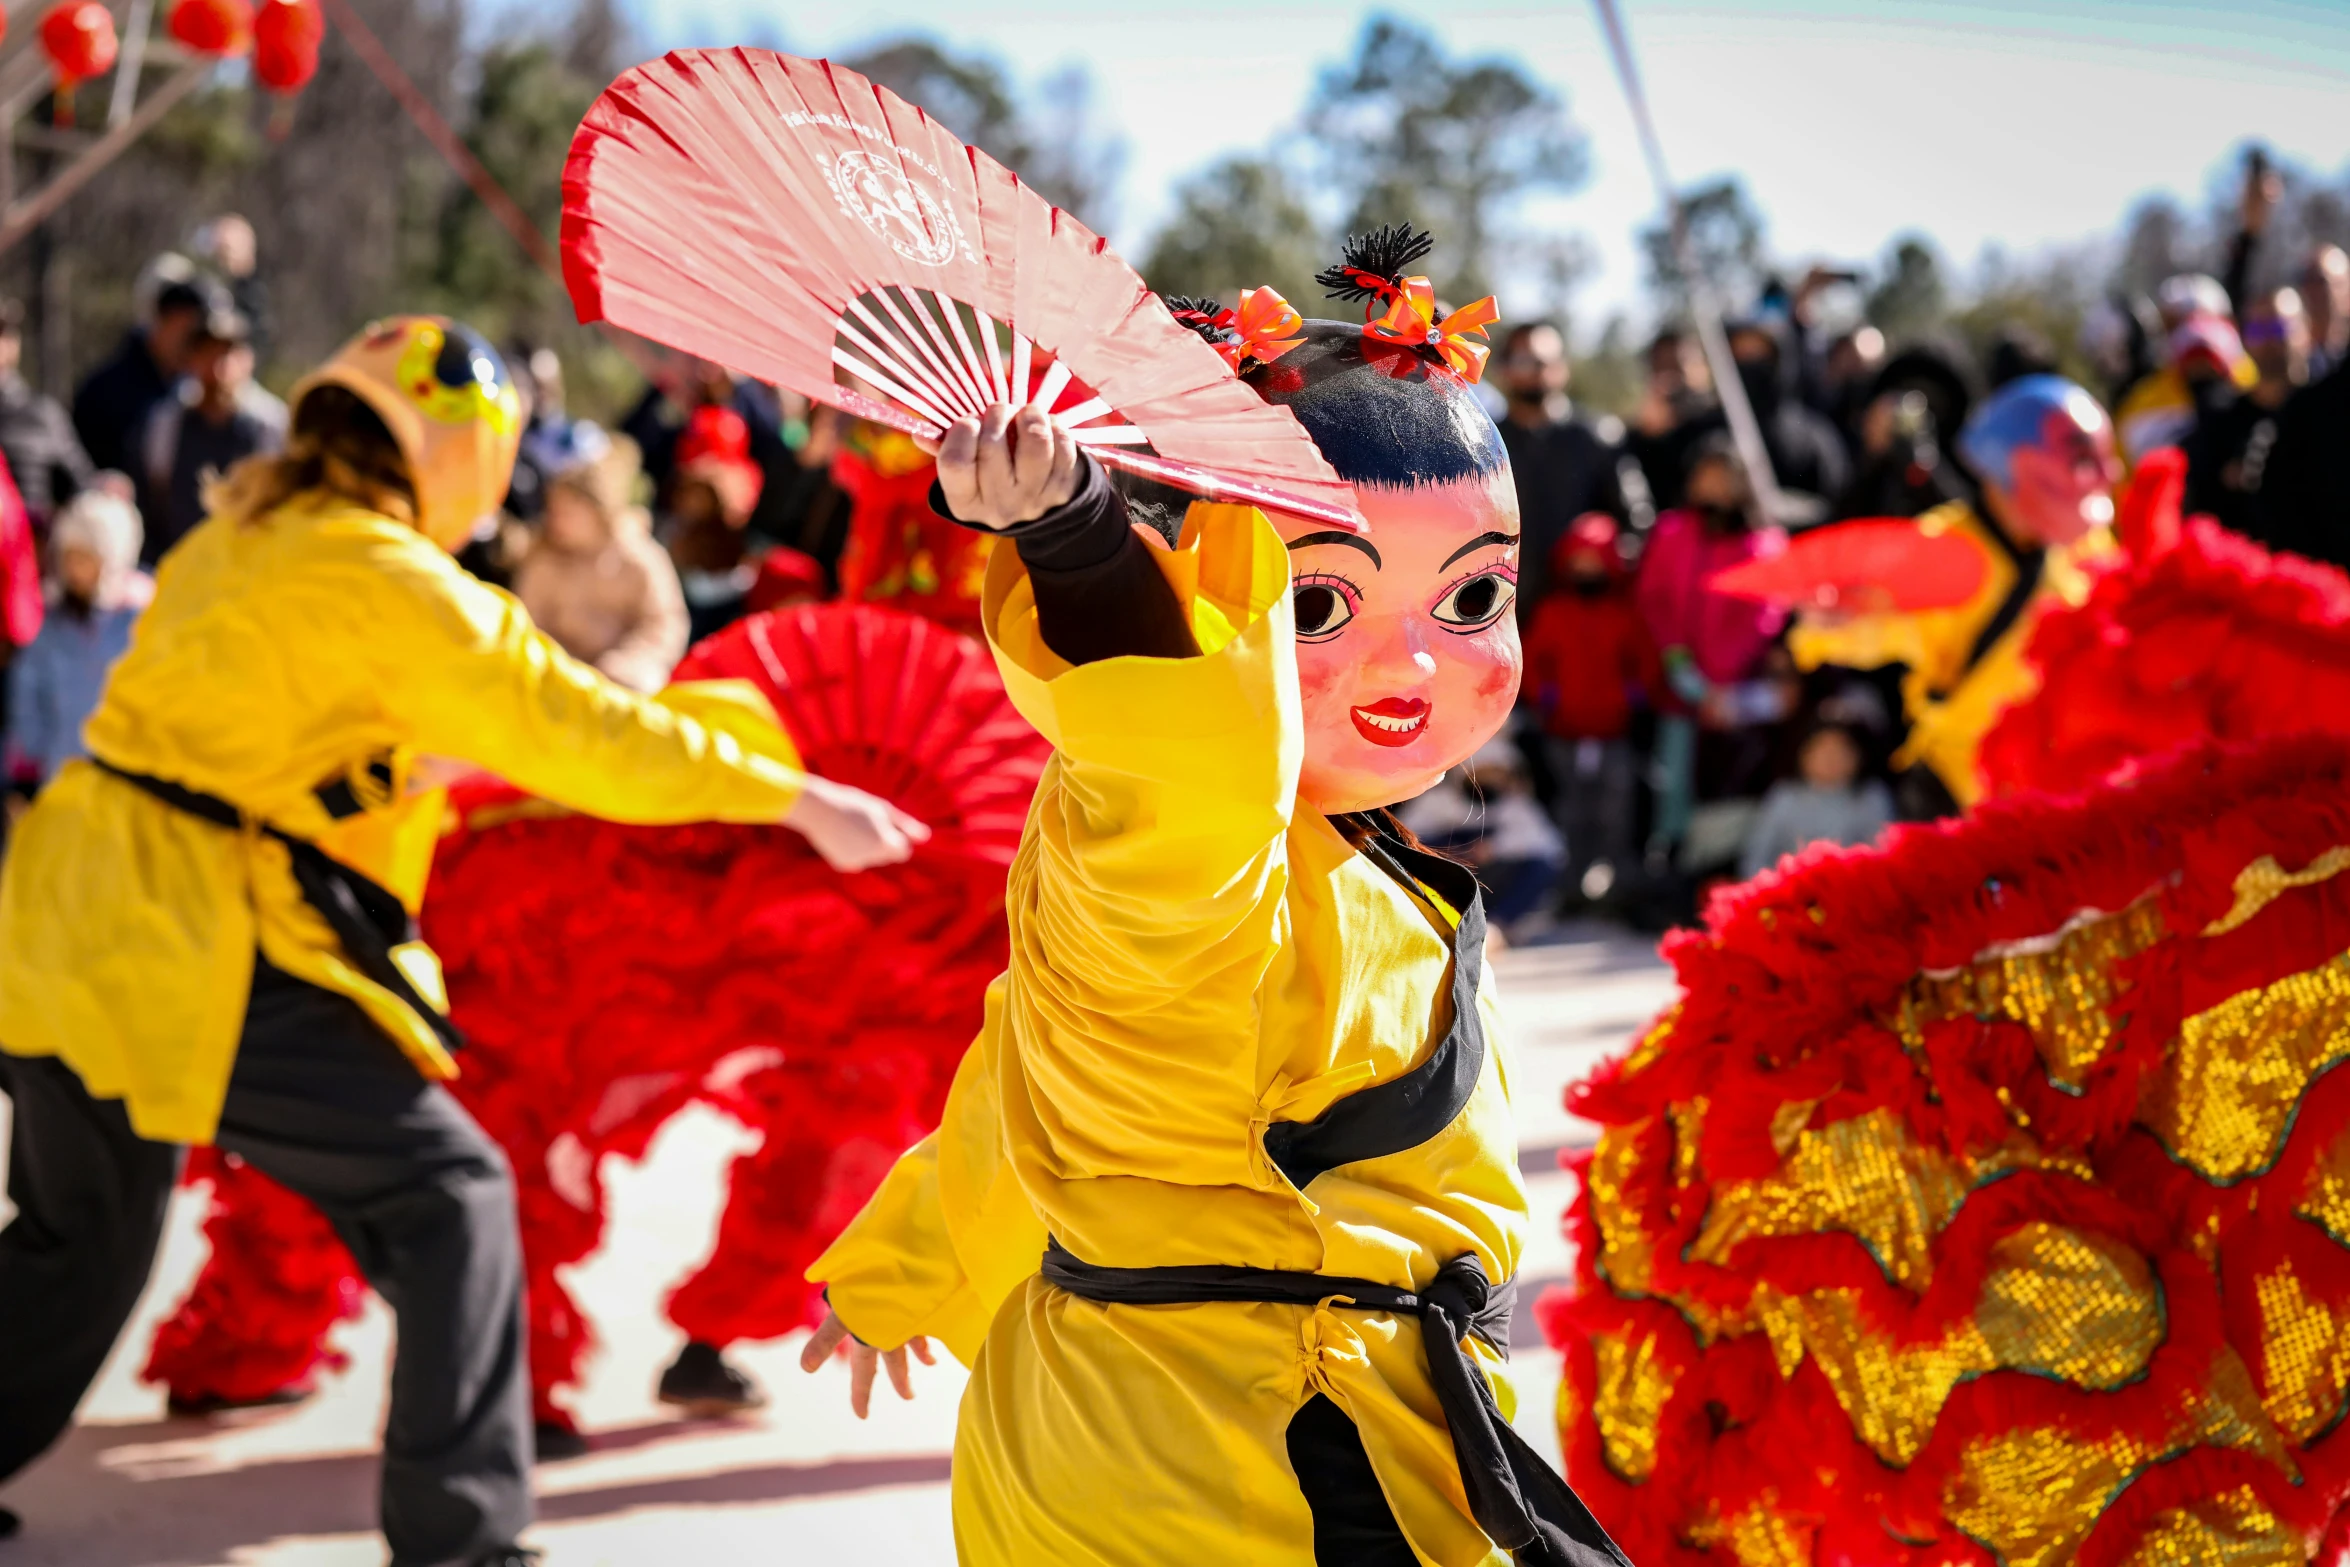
{"x":1225,"y":1207}
{"x":205,"y":930}
{"x":2042,"y":451}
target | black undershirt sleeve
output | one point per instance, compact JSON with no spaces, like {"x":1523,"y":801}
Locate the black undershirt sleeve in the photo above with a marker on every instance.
{"x":1098,"y":593}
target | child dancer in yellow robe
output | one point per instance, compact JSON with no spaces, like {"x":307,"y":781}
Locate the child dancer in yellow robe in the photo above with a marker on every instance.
{"x":1226,"y":1202}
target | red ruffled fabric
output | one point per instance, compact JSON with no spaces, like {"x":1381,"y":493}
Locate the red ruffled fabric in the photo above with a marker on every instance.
{"x":2212,"y":637}
{"x":257,"y":1318}
{"x":1788,"y":997}
{"x":606,"y":976}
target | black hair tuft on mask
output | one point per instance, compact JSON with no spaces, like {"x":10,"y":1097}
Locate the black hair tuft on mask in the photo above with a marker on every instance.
{"x":1375,"y":263}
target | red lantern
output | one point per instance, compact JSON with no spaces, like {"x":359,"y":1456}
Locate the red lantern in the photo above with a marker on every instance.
{"x":213,"y":26}
{"x":286,"y":36}
{"x":78,"y":37}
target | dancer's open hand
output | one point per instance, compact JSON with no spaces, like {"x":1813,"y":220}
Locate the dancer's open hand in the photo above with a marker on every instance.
{"x":1006,"y":466}
{"x":833,"y":1339}
{"x":853,"y":830}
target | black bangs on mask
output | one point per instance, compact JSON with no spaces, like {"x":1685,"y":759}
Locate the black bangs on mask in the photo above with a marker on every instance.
{"x":1381,"y":413}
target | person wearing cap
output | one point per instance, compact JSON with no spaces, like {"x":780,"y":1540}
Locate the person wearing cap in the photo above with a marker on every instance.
{"x":594,"y":580}
{"x":36,"y":434}
{"x":110,"y":407}
{"x":206,"y":928}
{"x":217,"y":418}
{"x":2202,"y":358}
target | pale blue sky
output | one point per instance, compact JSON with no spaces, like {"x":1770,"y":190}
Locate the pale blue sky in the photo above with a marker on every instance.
{"x":1975,"y":121}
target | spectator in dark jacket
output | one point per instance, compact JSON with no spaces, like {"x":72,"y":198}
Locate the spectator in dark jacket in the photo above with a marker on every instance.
{"x":1564,"y":465}
{"x":2229,"y":449}
{"x":1677,"y":408}
{"x":2325,"y":294}
{"x":2305,"y":494}
{"x":1807,"y":455}
{"x":1589,"y":660}
{"x":112,"y":406}
{"x":229,"y":245}
{"x":1916,"y":403}
{"x":36,"y":436}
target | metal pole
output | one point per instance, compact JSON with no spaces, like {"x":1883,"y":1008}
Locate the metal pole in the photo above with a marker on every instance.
{"x":135,"y":28}
{"x":24,"y":216}
{"x":1704,"y":309}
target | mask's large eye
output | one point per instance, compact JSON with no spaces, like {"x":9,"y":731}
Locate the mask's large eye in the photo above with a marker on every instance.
{"x":1476,"y":603}
{"x":1324,"y":605}
{"x":467,"y":360}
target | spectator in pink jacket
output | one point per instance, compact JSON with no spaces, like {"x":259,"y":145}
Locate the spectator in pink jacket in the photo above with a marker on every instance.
{"x":1712,"y":646}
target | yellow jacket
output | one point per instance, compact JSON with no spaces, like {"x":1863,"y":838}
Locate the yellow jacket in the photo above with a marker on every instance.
{"x":324,"y":642}
{"x":1192,"y":958}
{"x":1952,"y":705}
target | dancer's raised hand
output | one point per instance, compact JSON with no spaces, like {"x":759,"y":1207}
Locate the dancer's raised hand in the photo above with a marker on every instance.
{"x":834,"y":1339}
{"x":1006,"y":466}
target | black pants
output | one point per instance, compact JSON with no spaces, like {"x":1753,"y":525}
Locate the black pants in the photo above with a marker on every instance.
{"x":322,"y":1102}
{"x":1353,"y":1525}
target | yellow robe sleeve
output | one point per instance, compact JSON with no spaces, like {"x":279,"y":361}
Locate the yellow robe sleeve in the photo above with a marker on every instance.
{"x":934,"y":1252}
{"x":465,"y":673}
{"x":1148,"y":897}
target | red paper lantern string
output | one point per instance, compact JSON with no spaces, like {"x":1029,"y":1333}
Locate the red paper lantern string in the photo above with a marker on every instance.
{"x":286,"y":36}
{"x":219,"y":27}
{"x":78,"y":37}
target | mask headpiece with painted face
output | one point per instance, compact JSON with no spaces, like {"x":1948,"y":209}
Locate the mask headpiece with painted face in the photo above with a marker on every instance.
{"x":446,"y":396}
{"x":1407,"y":649}
{"x":2043,"y":448}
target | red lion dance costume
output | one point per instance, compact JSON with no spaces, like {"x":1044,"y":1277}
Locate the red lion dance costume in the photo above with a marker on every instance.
{"x":606,"y":976}
{"x":1986,"y":1197}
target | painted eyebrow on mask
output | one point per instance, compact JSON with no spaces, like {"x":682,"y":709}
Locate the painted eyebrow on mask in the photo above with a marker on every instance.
{"x":1333,"y":536}
{"x":1474,"y":545}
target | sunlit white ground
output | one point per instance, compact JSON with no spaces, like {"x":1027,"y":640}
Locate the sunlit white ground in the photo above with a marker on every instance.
{"x":802,"y":1481}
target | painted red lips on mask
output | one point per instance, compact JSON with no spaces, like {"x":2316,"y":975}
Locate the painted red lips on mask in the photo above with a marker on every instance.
{"x":1394,"y":720}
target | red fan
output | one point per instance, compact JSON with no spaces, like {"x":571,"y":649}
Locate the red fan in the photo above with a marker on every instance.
{"x":1881,"y":563}
{"x":896,"y":705}
{"x":789,"y":219}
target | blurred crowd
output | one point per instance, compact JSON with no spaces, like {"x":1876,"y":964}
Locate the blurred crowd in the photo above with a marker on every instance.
{"x":1665,"y":738}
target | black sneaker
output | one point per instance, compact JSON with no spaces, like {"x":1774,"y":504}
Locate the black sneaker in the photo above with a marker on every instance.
{"x":554,"y":1442}
{"x":196,"y":1408}
{"x":701,"y":1382}
{"x":507,"y":1556}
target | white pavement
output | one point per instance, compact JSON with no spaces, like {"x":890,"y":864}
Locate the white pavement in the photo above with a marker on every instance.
{"x":801,"y":1482}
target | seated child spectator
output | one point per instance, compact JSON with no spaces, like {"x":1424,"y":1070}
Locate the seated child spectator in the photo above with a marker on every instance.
{"x":55,"y":681}
{"x":1827,"y":800}
{"x":1589,"y":661}
{"x":1484,"y":813}
{"x":595,"y":581}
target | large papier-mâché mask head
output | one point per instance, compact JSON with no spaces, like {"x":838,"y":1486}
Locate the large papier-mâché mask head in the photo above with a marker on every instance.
{"x":446,"y":396}
{"x":1407,"y":650}
{"x":2043,"y":448}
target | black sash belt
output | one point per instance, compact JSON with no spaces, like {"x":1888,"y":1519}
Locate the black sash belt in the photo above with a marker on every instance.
{"x":1521,"y":1503}
{"x":366,"y":917}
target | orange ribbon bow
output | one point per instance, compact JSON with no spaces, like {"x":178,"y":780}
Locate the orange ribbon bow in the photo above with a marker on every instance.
{"x":1260,"y":329}
{"x":1410,"y":317}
